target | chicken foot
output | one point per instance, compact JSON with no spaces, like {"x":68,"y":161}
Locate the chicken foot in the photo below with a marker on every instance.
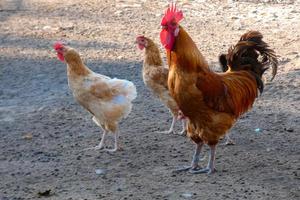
{"x":116,"y":146}
{"x":100,"y":146}
{"x":171,"y":130}
{"x":211,"y":163}
{"x":195,"y":161}
{"x":229,"y":141}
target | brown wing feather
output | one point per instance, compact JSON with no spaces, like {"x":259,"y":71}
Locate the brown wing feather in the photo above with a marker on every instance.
{"x":160,"y":76}
{"x":101,"y":90}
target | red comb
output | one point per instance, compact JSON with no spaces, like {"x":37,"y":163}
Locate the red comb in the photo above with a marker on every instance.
{"x":58,"y":45}
{"x":172,"y":14}
{"x":140,"y":37}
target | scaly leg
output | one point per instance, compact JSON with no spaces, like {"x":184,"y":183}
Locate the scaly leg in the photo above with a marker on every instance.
{"x":196,"y":158}
{"x":116,"y":147}
{"x":100,"y":145}
{"x":211,"y":163}
{"x":183,"y":131}
{"x":171,"y":128}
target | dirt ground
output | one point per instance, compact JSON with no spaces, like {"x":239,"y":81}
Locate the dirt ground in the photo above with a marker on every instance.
{"x":43,"y":130}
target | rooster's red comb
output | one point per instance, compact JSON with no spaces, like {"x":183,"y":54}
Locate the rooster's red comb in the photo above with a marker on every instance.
{"x":172,"y":14}
{"x":58,"y":45}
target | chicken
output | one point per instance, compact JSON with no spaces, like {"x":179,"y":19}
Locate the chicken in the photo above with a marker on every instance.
{"x":212,"y":102}
{"x":108,"y":100}
{"x":155,"y":76}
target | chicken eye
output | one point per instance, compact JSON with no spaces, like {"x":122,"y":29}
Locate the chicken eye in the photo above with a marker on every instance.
{"x":173,"y":24}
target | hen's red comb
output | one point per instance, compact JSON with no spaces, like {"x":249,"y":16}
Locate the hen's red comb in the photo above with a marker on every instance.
{"x":58,"y":45}
{"x":140,"y":37}
{"x":172,"y":14}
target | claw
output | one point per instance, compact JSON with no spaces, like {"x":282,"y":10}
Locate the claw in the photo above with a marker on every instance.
{"x":183,"y":169}
{"x":187,"y":168}
{"x":166,"y":132}
{"x":202,"y":171}
{"x":183,"y":133}
{"x":110,"y":150}
{"x":230,"y":142}
{"x":98,"y":147}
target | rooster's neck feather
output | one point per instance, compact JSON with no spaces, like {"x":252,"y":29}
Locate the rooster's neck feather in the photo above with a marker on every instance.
{"x":186,"y":54}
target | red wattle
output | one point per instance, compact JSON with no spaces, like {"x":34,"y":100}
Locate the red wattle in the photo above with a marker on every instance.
{"x":61,"y":57}
{"x":167,"y":39}
{"x":141,"y":47}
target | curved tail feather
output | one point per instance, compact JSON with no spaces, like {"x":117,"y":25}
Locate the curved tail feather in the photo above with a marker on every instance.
{"x":253,"y":54}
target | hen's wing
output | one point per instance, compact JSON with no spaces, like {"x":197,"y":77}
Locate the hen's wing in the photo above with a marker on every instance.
{"x":111,"y":97}
{"x":108,"y":89}
{"x":160,"y":76}
{"x":101,"y":90}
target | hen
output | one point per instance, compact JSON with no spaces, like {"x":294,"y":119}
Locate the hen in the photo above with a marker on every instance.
{"x":155,"y":76}
{"x":212,"y":102}
{"x":108,"y":100}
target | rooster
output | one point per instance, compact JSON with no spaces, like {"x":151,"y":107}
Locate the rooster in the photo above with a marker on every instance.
{"x":155,"y":76}
{"x":108,"y":100}
{"x":212,"y":102}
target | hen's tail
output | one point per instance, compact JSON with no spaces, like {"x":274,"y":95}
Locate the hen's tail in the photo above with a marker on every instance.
{"x":251,"y":53}
{"x":124,"y":88}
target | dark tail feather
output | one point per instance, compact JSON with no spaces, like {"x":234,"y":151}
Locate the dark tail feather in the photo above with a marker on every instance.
{"x":223,"y":62}
{"x":253,"y":54}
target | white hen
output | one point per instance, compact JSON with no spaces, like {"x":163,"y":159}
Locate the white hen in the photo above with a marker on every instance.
{"x":108,"y":100}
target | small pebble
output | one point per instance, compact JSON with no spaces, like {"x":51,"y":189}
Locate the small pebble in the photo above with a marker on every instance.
{"x":100,"y":171}
{"x":257,"y":130}
{"x":187,"y":195}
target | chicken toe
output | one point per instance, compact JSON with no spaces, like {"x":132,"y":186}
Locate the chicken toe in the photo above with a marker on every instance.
{"x":202,"y":171}
{"x":229,"y":141}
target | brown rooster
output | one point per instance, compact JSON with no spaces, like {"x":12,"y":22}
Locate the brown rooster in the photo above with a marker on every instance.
{"x":211,"y":101}
{"x":155,"y":76}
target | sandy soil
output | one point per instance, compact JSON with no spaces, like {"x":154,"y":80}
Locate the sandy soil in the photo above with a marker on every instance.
{"x":43,"y":130}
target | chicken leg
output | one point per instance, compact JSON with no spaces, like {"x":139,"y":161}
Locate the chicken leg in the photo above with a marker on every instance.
{"x":171,"y":130}
{"x":195,"y":162}
{"x":116,"y":146}
{"x":183,"y":131}
{"x":211,"y":163}
{"x":100,"y":145}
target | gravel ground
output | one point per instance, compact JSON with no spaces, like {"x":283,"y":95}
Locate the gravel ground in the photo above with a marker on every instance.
{"x":43,"y":130}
